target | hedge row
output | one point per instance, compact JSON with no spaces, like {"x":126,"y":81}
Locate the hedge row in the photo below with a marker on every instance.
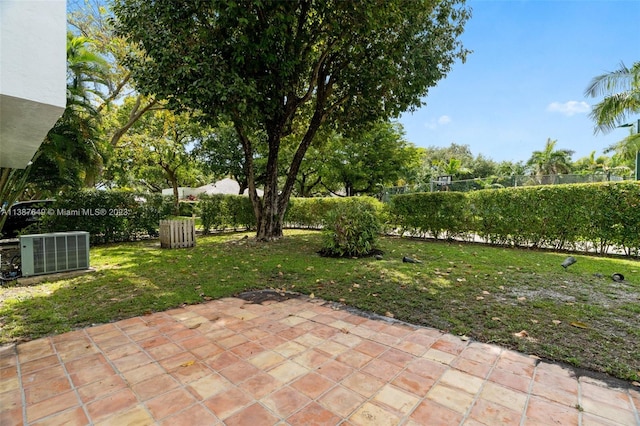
{"x":109,"y":216}
{"x":579,"y":217}
{"x":219,"y":212}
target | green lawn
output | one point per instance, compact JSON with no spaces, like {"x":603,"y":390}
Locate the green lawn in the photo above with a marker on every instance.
{"x":579,"y":315}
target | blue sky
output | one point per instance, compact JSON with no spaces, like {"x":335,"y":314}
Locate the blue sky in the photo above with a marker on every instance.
{"x":525,"y":80}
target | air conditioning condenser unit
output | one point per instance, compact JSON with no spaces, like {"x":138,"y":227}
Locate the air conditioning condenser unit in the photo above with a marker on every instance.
{"x":55,"y":252}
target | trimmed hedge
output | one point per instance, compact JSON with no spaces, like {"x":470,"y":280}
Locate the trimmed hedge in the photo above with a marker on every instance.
{"x":312,"y":213}
{"x":219,"y":212}
{"x":109,"y":216}
{"x":579,"y":216}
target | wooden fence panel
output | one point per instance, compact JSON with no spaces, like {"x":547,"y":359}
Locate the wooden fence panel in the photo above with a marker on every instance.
{"x":177,"y":233}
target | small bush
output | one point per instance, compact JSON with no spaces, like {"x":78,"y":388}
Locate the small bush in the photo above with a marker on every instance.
{"x":351,"y":229}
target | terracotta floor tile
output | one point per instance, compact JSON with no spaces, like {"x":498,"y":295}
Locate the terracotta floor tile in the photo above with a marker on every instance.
{"x":335,"y":370}
{"x":477,"y":369}
{"x":143,"y":373}
{"x":119,"y":401}
{"x":193,"y":415}
{"x":165,"y":351}
{"x":546,"y":412}
{"x":219,"y":362}
{"x":503,"y":395}
{"x":178,"y":360}
{"x":208,"y":350}
{"x":605,"y":409}
{"x":519,"y":368}
{"x":290,"y":349}
{"x":9,"y":384}
{"x":437,"y":355}
{"x":433,"y":414}
{"x":94,"y":371}
{"x":11,"y":417}
{"x":270,"y":341}
{"x":412,"y":348}
{"x":73,"y":416}
{"x":68,"y":351}
{"x":413,"y":383}
{"x":461,"y":380}
{"x":133,"y":361}
{"x":313,"y":385}
{"x":285,"y":401}
{"x":311,"y":359}
{"x":254,"y":415}
{"x":266,"y":359}
{"x":11,"y":400}
{"x":510,"y":380}
{"x":239,"y":371}
{"x":169,"y":403}
{"x":153,"y":342}
{"x":56,"y":404}
{"x":35,"y":349}
{"x":39,"y":376}
{"x":397,"y":399}
{"x":422,"y":339}
{"x":232,"y":341}
{"x":332,"y":349}
{"x":448,"y":346}
{"x":381,"y":369}
{"x":451,"y":398}
{"x":354,"y":358}
{"x":208,"y":386}
{"x":39,"y":364}
{"x":426,"y":368}
{"x":373,"y":415}
{"x":227,"y":403}
{"x":397,"y":330}
{"x":309,"y":340}
{"x":101,"y":388}
{"x":371,"y":348}
{"x":45,"y":390}
{"x":190,"y":371}
{"x":365,"y":384}
{"x":613,"y":397}
{"x":291,"y":333}
{"x":153,"y":387}
{"x":288,"y":371}
{"x":324,"y":331}
{"x":480,"y":354}
{"x":341,"y":400}
{"x":247,"y":350}
{"x":397,"y":357}
{"x":137,"y":416}
{"x":314,"y":415}
{"x":122,"y":351}
{"x":260,"y":385}
{"x":593,"y":420}
{"x":349,"y":340}
{"x":490,"y":413}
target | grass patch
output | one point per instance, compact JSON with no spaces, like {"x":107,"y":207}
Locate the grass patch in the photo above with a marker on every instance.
{"x":579,"y":315}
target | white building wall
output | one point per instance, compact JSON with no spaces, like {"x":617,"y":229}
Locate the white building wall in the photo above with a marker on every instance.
{"x":32,"y":75}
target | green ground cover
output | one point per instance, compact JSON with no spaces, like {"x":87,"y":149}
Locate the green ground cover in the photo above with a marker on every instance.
{"x":520,"y":299}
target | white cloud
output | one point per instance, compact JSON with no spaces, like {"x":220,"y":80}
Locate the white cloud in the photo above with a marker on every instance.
{"x":444,"y":119}
{"x":569,"y":108}
{"x":441,"y":121}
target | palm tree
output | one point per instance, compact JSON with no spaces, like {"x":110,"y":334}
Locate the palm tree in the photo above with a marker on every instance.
{"x":548,"y":163}
{"x":621,"y":91}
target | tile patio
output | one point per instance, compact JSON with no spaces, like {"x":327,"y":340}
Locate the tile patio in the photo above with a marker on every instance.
{"x":293,"y":362}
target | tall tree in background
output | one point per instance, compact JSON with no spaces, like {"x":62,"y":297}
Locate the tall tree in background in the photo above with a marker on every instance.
{"x":368,"y":161}
{"x":258,"y":63}
{"x":549,"y":162}
{"x":621,"y":91}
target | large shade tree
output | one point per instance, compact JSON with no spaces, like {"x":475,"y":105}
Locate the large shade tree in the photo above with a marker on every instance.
{"x":258,"y":63}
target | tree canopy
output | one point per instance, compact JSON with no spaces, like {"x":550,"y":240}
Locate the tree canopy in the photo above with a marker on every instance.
{"x":259,"y":63}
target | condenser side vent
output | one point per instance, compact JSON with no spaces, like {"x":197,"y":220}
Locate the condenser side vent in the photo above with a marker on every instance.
{"x":56,"y":252}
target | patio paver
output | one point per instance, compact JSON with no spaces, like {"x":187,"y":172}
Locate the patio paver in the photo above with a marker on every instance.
{"x":298,"y":361}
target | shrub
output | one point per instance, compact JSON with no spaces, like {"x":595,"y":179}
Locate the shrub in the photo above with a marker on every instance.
{"x":351,"y":229}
